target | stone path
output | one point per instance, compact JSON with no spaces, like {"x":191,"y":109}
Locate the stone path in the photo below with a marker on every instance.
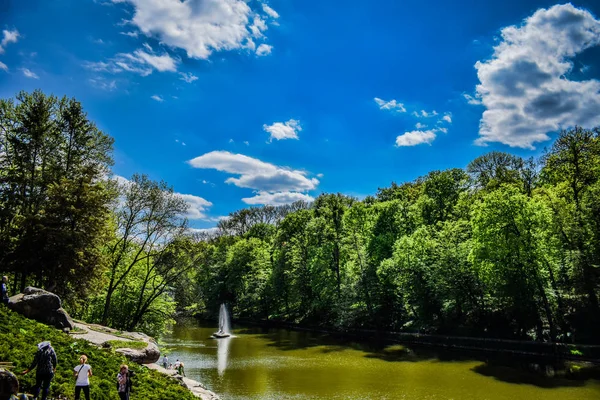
{"x":98,"y":338}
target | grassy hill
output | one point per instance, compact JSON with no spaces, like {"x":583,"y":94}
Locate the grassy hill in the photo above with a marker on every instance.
{"x":19,"y":337}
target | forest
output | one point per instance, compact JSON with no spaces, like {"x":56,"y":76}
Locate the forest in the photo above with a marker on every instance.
{"x":505,"y":248}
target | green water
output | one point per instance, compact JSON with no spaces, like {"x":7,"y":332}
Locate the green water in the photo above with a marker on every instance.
{"x":281,"y":364}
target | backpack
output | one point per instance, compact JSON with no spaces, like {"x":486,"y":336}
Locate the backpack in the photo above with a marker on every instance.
{"x":45,"y":360}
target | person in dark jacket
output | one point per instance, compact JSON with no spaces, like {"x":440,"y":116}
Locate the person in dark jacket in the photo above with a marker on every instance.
{"x":45,"y":361}
{"x":4,"y":290}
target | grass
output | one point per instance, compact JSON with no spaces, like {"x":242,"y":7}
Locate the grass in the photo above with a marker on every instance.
{"x":129,"y":344}
{"x":18,"y":339}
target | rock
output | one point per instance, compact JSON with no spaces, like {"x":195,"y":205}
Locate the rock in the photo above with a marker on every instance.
{"x":42,"y":306}
{"x":149,"y":355}
{"x":8,"y":382}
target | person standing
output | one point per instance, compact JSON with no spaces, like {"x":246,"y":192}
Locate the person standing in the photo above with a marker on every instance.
{"x":45,"y":361}
{"x":124,"y":382}
{"x":165,"y":361}
{"x":4,"y":290}
{"x":82,"y":374}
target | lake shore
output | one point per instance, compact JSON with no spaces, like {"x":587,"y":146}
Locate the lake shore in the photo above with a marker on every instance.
{"x":557,"y":352}
{"x":99,"y":335}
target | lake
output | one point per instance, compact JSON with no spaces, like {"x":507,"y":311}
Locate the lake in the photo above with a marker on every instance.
{"x":280,"y":364}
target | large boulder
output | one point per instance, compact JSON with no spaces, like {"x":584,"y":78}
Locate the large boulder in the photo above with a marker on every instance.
{"x":42,"y":306}
{"x":148,"y":355}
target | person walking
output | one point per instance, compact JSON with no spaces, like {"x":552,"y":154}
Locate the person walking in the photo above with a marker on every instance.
{"x":82,"y":374}
{"x":124,"y":382}
{"x":45,"y":360}
{"x":4,"y":290}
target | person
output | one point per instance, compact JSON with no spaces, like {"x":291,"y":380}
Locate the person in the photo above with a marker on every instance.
{"x":124,"y":382}
{"x":180,"y":369}
{"x":9,"y":386}
{"x":4,"y":290}
{"x":45,"y":361}
{"x":82,"y":374}
{"x":165,"y":361}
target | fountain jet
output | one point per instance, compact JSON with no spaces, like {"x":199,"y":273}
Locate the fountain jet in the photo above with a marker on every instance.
{"x":224,"y":326}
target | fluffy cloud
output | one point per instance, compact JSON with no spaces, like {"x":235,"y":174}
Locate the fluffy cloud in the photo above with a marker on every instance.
{"x":424,"y":114}
{"x":255,"y":174}
{"x":264,"y":50}
{"x":157,"y":98}
{"x":3,"y":66}
{"x":277,"y":199}
{"x":196,"y":206}
{"x":283,"y":130}
{"x":8,"y":37}
{"x":447,"y":117}
{"x":29,"y":74}
{"x":199,"y":27}
{"x":270,"y":12}
{"x":389,"y":105}
{"x":188,"y":77}
{"x":525,"y":86}
{"x":414,"y":138}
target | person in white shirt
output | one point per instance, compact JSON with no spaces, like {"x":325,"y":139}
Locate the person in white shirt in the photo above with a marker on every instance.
{"x":82,"y":373}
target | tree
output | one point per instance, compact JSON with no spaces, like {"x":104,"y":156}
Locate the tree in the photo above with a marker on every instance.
{"x":54,"y":196}
{"x":572,"y":166}
{"x":149,"y":217}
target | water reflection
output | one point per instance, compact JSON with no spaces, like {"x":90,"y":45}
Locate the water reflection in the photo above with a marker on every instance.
{"x":222,"y":354}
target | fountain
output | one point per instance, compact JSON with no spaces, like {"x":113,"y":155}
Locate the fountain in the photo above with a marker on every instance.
{"x":224,"y":328}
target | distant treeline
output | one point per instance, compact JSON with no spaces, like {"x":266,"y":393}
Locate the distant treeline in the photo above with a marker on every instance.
{"x":505,"y":248}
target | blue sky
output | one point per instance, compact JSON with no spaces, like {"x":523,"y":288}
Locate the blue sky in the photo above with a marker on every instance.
{"x":236,"y":103}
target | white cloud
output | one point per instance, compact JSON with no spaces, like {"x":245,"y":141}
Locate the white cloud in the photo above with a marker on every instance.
{"x":161,"y":63}
{"x":269,"y":11}
{"x":247,"y":143}
{"x":139,"y":62}
{"x":263,"y":50}
{"x":255,"y":174}
{"x":278,"y":198}
{"x":132,"y":34}
{"x":258,"y":27}
{"x":157,"y":98}
{"x":188,"y":77}
{"x":196,"y":206}
{"x":389,"y":105}
{"x":420,"y":125}
{"x":283,"y":130}
{"x":414,"y":138}
{"x":444,"y":130}
{"x":29,"y":74}
{"x":8,"y":37}
{"x":525,"y":86}
{"x":101,"y":83}
{"x":471,"y":100}
{"x":3,"y":66}
{"x":199,"y":27}
{"x":447,"y":117}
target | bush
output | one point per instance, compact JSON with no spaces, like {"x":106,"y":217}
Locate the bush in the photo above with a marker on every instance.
{"x":18,"y":339}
